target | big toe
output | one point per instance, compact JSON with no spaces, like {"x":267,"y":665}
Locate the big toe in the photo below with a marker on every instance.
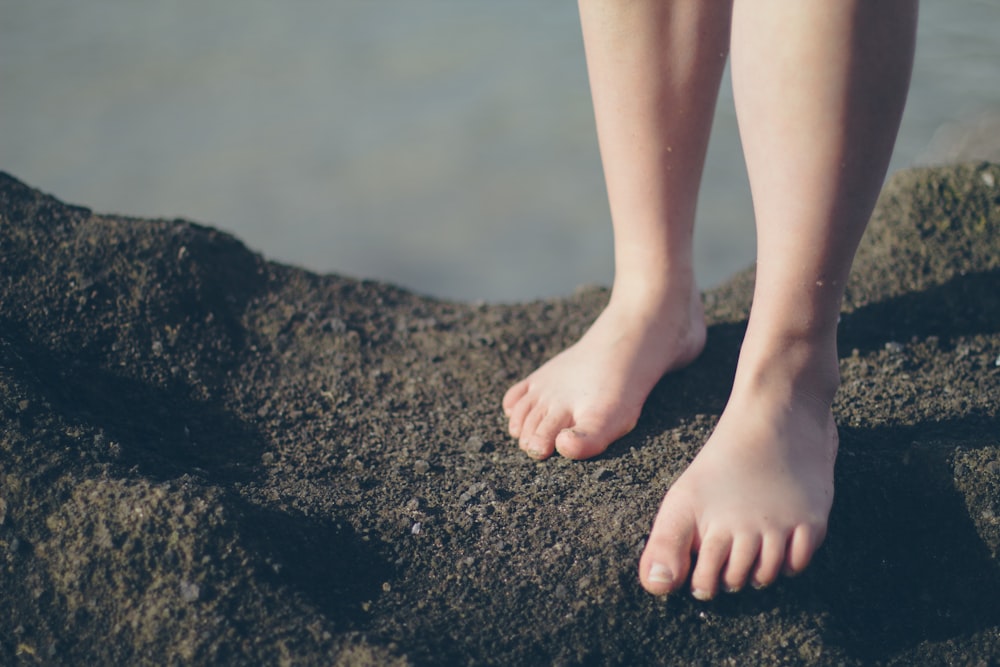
{"x":586,"y":439}
{"x":666,"y":560}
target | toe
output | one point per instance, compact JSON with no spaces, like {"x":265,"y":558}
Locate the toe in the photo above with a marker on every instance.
{"x":576,"y":443}
{"x":665,"y":562}
{"x":518,"y":413}
{"x":528,"y":430}
{"x":540,"y":443}
{"x":513,"y":395}
{"x":712,"y":556}
{"x":590,"y":437}
{"x":771,"y":560}
{"x":805,"y":540}
{"x":742,"y":556}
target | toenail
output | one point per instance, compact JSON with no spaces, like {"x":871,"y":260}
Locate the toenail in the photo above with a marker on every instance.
{"x":731,"y":589}
{"x":699,"y":594}
{"x":757,"y":585}
{"x":660,"y":574}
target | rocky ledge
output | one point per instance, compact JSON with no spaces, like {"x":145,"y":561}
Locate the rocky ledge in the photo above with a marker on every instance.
{"x":211,"y":458}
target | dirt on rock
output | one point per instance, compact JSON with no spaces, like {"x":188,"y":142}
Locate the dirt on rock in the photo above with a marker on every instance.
{"x":208,"y":458}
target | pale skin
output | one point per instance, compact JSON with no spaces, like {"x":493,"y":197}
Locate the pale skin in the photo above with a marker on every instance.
{"x":819,"y":90}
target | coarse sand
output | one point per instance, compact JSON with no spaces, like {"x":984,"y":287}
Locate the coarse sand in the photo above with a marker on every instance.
{"x":209,"y":458}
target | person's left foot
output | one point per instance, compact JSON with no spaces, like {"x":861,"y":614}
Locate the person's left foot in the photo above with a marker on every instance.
{"x":755,"y":501}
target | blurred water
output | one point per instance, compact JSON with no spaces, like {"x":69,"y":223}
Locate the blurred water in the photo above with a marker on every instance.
{"x":445,"y":146}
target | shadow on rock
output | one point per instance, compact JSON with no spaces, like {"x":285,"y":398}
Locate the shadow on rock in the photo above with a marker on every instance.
{"x":963,"y":306}
{"x":163,"y":431}
{"x":326,"y":562}
{"x":904,"y":563}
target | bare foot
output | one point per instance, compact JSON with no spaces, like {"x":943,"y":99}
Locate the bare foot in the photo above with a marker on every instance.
{"x":755,"y":501}
{"x":591,"y":394}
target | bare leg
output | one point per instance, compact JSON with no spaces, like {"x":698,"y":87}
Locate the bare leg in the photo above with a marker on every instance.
{"x":654,"y":69}
{"x":819,"y":90}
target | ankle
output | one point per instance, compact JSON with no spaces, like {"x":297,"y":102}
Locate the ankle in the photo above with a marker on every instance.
{"x":804,"y":366}
{"x":673,"y":311}
{"x":675,"y":291}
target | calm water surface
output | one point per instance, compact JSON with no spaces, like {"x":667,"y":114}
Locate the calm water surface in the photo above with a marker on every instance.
{"x":445,"y":146}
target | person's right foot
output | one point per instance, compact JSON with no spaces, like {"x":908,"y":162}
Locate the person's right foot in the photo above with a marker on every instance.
{"x":591,"y":394}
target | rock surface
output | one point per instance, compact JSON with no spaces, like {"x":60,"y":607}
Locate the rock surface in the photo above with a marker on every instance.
{"x":209,"y":458}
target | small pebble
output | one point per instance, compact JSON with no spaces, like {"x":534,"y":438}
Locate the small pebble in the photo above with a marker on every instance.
{"x":892,"y":347}
{"x":640,"y":547}
{"x":334,"y":325}
{"x":416,"y":528}
{"x":600,"y":474}
{"x":988,"y":179}
{"x":475,"y":444}
{"x":420,"y":466}
{"x":997,"y":362}
{"x":190,"y":591}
